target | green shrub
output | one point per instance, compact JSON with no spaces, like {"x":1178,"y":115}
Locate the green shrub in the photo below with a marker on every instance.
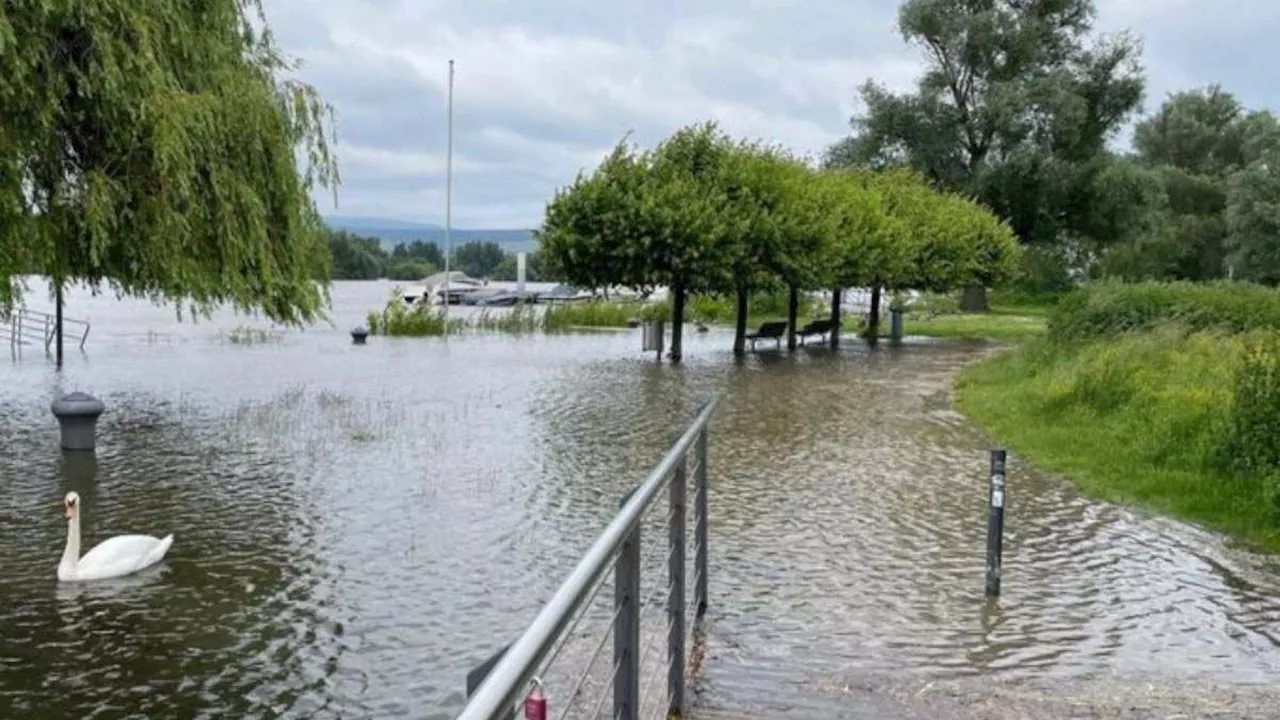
{"x":723,"y":309}
{"x":1254,"y":430}
{"x":600,"y":313}
{"x":1109,"y":308}
{"x":1187,"y":421}
{"x":928,"y":305}
{"x":518,"y":320}
{"x":399,"y":318}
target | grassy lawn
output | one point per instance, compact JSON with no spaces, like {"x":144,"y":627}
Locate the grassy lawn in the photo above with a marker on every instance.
{"x":1137,"y":419}
{"x":998,"y":323}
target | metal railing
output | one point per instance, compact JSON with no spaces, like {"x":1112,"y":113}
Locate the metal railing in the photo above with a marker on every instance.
{"x":33,"y":326}
{"x":520,"y":673}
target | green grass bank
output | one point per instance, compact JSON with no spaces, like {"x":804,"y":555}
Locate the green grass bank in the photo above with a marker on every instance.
{"x":1165,"y":395}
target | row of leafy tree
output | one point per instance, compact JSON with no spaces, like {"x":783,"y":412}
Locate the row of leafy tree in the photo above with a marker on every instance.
{"x":1017,"y":107}
{"x":356,"y":257}
{"x":706,"y":213}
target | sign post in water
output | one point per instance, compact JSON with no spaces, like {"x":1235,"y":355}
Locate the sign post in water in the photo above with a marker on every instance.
{"x":995,"y":522}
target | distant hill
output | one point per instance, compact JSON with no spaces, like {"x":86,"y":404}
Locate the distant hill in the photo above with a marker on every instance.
{"x":398,"y":232}
{"x":352,"y":223}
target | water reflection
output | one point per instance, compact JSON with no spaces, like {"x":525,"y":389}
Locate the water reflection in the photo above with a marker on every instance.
{"x":355,"y":527}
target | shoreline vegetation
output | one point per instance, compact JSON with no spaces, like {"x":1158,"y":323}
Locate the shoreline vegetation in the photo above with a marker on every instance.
{"x":398,"y":318}
{"x":1165,"y":395}
{"x":1011,"y":316}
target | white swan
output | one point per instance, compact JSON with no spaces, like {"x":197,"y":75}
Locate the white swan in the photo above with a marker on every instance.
{"x":112,"y":558}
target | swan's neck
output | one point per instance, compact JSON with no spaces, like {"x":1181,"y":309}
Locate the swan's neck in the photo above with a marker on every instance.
{"x":71,"y":555}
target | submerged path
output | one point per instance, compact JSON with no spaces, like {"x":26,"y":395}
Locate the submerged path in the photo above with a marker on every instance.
{"x":848,"y":565}
{"x":357,"y":527}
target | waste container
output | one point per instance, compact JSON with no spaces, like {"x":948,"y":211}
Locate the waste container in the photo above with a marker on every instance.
{"x":895,"y":324}
{"x":653,"y":333}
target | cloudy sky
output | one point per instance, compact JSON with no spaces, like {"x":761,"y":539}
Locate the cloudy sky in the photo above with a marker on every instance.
{"x":544,"y":88}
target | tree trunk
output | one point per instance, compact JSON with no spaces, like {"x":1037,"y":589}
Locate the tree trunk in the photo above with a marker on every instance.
{"x":740,"y":331}
{"x":835,"y":319}
{"x":873,"y":318}
{"x":677,"y":324}
{"x":974,"y":299}
{"x":793,"y":309}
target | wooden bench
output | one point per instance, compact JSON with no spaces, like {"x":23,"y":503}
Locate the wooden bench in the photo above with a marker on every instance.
{"x":817,"y":327}
{"x":768,"y":331}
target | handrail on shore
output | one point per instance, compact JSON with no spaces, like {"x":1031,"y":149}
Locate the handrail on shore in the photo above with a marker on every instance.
{"x":516,"y":672}
{"x":27,"y":325}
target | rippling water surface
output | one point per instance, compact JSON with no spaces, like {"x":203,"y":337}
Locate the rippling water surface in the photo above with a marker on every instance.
{"x":357,"y":526}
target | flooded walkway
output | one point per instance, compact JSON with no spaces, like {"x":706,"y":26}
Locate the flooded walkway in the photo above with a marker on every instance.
{"x":851,"y":562}
{"x":357,"y":527}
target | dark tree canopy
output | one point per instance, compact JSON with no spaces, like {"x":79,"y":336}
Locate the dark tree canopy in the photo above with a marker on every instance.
{"x":419,"y":250}
{"x":478,"y":258}
{"x":158,"y":147}
{"x":1015,"y":108}
{"x":355,"y":257}
{"x":1199,"y":145}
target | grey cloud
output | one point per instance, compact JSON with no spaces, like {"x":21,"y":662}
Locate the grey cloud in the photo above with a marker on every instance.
{"x":545,"y":89}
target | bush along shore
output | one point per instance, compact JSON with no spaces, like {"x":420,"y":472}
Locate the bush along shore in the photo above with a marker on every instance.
{"x":398,"y":318}
{"x":1011,"y":317}
{"x":1165,"y":394}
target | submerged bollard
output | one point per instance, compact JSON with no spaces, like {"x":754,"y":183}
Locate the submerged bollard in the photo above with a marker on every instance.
{"x":359,"y":334}
{"x":77,"y":415}
{"x":895,"y":325}
{"x":995,"y":522}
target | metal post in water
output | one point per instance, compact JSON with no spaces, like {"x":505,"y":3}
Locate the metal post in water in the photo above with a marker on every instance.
{"x":995,"y":522}
{"x":58,"y":321}
{"x":521,"y":271}
{"x":700,"y":524}
{"x":626,"y":629}
{"x":675,"y":585}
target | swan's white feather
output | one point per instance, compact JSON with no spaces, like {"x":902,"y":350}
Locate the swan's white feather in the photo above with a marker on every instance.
{"x":121,"y":555}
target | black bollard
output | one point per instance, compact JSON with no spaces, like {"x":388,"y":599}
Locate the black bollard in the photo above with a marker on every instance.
{"x":359,"y":334}
{"x":995,"y":522}
{"x":77,"y":415}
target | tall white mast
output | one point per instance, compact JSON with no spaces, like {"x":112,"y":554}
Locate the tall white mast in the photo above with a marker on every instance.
{"x":448,"y":197}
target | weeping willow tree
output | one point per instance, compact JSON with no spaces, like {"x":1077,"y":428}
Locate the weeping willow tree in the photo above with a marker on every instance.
{"x":160,"y":148}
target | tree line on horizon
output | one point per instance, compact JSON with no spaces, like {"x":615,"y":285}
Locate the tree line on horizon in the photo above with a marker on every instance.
{"x":359,"y":257}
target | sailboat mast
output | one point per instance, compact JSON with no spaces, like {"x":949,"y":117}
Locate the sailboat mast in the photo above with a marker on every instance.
{"x":448,"y":197}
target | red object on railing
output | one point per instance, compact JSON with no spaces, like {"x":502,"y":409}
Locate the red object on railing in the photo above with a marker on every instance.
{"x":535,"y":704}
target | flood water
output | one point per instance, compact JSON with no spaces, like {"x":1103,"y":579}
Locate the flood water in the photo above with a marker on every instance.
{"x":357,"y":526}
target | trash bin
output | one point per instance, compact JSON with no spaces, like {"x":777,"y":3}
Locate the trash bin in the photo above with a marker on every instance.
{"x":895,"y":324}
{"x":652,"y":334}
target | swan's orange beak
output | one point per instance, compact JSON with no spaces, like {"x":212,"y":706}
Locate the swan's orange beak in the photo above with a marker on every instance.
{"x":71,"y":510}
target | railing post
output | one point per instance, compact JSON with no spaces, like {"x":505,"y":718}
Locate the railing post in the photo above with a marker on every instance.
{"x":700,"y":524}
{"x":995,"y":522}
{"x":626,"y":629}
{"x":675,"y":588}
